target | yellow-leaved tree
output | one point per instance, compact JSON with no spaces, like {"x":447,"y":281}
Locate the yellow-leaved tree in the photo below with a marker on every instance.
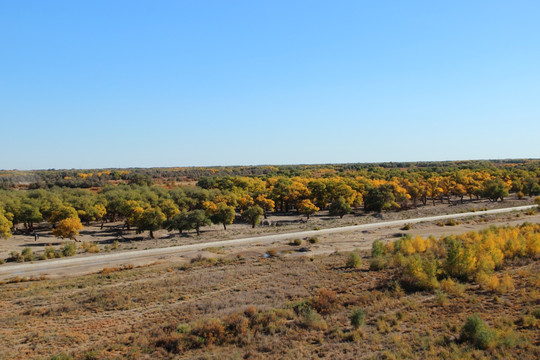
{"x":68,"y":228}
{"x":307,"y":208}
{"x":5,"y":226}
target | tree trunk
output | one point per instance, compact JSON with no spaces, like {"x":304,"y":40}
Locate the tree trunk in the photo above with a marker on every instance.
{"x":152,"y":234}
{"x":198,"y":231}
{"x":224,"y":226}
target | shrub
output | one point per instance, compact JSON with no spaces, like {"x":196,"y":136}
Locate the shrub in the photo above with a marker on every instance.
{"x":90,"y":247}
{"x":271,"y":253}
{"x":300,"y":306}
{"x":271,"y":321}
{"x":420,"y":274}
{"x":27,"y":254}
{"x":325,"y":302}
{"x":440,"y":298}
{"x":451,"y":287}
{"x":69,"y":249}
{"x":236,"y":325}
{"x":296,"y":242}
{"x":313,"y":240}
{"x":378,"y":263}
{"x":476,"y":332}
{"x":488,"y":282}
{"x":353,"y":261}
{"x":406,"y":227}
{"x":377,"y":248}
{"x":250,"y":311}
{"x":506,"y":284}
{"x":312,"y":320}
{"x":49,"y":253}
{"x":357,"y":318}
{"x":15,"y":256}
{"x":211,"y":330}
{"x":183,"y":328}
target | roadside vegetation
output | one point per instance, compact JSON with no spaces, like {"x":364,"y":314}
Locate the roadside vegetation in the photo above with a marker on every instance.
{"x":425,"y":298}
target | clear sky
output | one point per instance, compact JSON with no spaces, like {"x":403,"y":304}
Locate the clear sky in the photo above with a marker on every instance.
{"x":101,"y":83}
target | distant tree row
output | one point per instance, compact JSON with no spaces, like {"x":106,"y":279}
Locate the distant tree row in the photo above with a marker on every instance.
{"x":97,"y":178}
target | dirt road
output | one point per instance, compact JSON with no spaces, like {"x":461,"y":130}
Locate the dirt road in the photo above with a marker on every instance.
{"x":92,"y":263}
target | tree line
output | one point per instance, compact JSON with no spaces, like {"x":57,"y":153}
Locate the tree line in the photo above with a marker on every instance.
{"x":145,"y":206}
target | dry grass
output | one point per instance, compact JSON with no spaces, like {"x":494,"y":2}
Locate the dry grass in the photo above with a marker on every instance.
{"x":275,"y":308}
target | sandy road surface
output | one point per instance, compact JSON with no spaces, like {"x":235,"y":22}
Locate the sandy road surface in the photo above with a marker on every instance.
{"x":91,"y":263}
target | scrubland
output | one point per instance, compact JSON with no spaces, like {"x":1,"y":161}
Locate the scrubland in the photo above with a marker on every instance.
{"x":475,"y":295}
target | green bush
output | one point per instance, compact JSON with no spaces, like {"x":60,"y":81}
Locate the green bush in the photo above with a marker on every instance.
{"x":49,"y":253}
{"x":27,"y":254}
{"x":312,"y":320}
{"x":358,"y":317}
{"x":378,"y":263}
{"x":69,"y":249}
{"x":377,"y":248}
{"x":353,"y":261}
{"x":476,"y":332}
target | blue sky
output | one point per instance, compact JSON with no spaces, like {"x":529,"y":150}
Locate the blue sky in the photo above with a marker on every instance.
{"x":91,"y":84}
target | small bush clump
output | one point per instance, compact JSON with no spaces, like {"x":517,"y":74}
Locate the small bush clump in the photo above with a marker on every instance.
{"x":353,"y":261}
{"x":357,"y":318}
{"x":296,"y":242}
{"x":406,"y":227}
{"x":27,"y":254}
{"x":325,"y":302}
{"x":476,"y":332}
{"x":69,"y":249}
{"x":311,"y":320}
{"x":313,"y":240}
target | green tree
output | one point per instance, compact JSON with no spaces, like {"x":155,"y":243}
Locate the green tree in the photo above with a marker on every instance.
{"x":151,"y":219}
{"x":253,"y":215}
{"x":340,"y":208}
{"x":379,"y":198}
{"x":197,"y":219}
{"x":179,"y":222}
{"x":29,"y":214}
{"x":223,"y":214}
{"x":494,"y":190}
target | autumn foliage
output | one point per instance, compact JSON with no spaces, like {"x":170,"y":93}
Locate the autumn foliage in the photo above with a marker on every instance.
{"x":472,"y":257}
